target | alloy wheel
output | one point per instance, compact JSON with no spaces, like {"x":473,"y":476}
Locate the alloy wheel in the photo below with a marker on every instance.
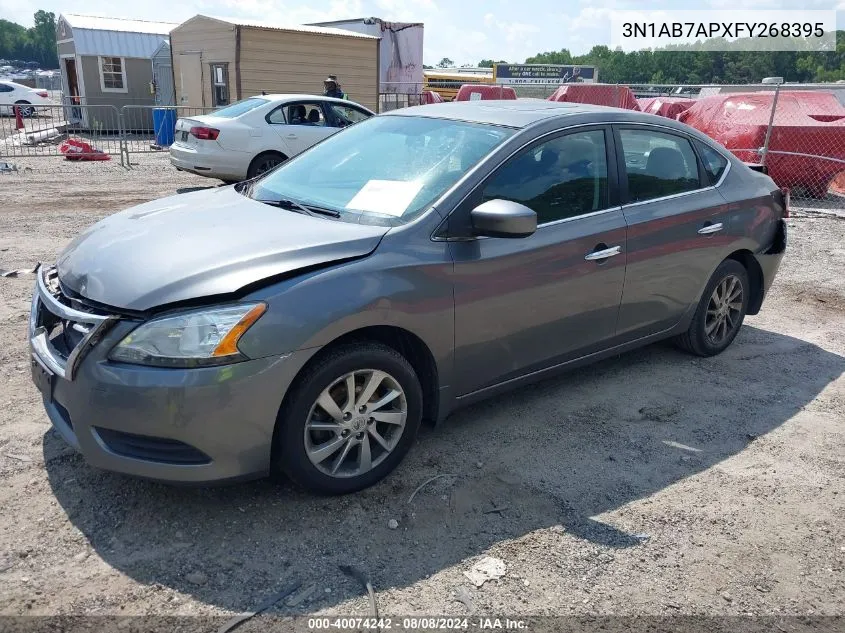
{"x":356,"y":422}
{"x":724,"y":310}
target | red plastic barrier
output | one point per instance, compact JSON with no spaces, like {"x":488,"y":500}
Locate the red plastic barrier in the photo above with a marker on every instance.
{"x":429,"y":96}
{"x":74,"y":149}
{"x":597,"y":94}
{"x":670,"y":107}
{"x":739,"y":122}
{"x":486,"y":92}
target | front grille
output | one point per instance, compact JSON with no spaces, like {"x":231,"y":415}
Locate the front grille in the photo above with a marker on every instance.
{"x":60,"y":324}
{"x":65,"y":335}
{"x":152,"y":449}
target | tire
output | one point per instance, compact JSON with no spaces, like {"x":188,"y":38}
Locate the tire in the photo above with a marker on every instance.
{"x":26,"y":109}
{"x":263,"y":163}
{"x":306,"y":432}
{"x":702,"y":338}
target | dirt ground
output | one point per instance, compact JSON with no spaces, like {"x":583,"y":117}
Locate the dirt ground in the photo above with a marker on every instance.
{"x":653,"y":483}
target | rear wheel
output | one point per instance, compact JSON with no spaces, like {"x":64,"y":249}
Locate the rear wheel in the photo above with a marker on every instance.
{"x":26,"y":109}
{"x":349,"y":420}
{"x":721,"y":311}
{"x":263,"y":163}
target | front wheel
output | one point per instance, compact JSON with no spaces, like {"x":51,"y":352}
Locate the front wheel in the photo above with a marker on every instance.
{"x":349,"y":420}
{"x":720,"y":313}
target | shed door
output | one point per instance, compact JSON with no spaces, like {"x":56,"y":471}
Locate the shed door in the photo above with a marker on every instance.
{"x":190,"y":80}
{"x":164,"y":85}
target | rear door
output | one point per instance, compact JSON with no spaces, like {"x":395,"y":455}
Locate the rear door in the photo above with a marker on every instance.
{"x":522,"y":305}
{"x":300,"y":125}
{"x":677,"y":227}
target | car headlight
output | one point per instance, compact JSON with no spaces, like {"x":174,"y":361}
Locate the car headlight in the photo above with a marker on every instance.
{"x":193,"y":339}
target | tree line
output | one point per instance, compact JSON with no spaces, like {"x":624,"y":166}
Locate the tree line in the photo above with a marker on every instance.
{"x":687,"y":64}
{"x":35,"y":44}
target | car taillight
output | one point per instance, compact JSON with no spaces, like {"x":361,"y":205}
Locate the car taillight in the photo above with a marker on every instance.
{"x":42,"y":93}
{"x":205,"y":133}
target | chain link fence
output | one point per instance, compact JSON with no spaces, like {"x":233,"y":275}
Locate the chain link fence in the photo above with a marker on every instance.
{"x":796,"y":131}
{"x":43,"y":130}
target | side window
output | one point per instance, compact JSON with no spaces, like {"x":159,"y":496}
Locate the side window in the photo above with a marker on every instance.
{"x":559,"y":179}
{"x":714,"y":163}
{"x":6,"y":88}
{"x":306,"y":114}
{"x":277,"y":116}
{"x":346,"y":115}
{"x":658,"y":164}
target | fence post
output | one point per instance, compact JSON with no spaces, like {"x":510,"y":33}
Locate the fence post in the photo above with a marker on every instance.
{"x":765,"y":150}
{"x":124,"y":145}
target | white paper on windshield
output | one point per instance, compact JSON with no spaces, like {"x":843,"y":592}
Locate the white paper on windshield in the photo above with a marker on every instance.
{"x":390,"y":197}
{"x":475,"y":96}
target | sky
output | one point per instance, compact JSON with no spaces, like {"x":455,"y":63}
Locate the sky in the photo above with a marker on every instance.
{"x":465,"y":31}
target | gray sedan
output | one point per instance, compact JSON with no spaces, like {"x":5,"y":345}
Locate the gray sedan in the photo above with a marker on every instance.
{"x":307,"y":321}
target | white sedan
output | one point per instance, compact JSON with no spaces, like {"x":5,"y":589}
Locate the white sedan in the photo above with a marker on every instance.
{"x":252,"y":136}
{"x":12,"y":94}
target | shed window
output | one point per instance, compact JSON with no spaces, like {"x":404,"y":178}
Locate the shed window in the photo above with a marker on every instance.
{"x":112,"y":74}
{"x":220,"y":85}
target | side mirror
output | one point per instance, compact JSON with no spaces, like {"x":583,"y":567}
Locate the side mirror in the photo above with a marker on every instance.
{"x":503,"y":218}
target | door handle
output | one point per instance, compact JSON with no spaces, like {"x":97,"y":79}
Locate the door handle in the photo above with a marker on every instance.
{"x":603,"y":254}
{"x":291,"y":136}
{"x":709,"y":229}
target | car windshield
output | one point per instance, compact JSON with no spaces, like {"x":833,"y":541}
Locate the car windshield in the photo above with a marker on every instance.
{"x":238,"y":108}
{"x":386,"y":169}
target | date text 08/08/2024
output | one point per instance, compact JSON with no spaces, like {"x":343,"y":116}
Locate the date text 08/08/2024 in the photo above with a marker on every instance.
{"x":416,"y":624}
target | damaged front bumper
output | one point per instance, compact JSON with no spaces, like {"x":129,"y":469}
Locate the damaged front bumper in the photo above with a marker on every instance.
{"x":181,"y":425}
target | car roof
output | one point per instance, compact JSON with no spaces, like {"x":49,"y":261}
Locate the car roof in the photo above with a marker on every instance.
{"x":298,"y":97}
{"x":521,"y":113}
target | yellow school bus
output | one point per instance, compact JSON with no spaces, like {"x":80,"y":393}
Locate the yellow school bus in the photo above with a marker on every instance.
{"x":446,"y":82}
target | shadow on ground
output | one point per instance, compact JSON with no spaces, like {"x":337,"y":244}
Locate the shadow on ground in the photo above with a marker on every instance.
{"x":556,"y":453}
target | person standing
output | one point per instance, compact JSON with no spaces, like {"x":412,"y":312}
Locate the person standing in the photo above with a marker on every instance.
{"x":332,"y":88}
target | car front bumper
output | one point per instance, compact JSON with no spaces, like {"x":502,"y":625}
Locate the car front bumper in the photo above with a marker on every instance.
{"x":179,"y":425}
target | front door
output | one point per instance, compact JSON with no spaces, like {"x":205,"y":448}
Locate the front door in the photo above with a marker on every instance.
{"x":164,"y":85}
{"x":677,"y":228}
{"x":190,"y":80}
{"x":302,"y":125}
{"x":72,"y":81}
{"x":525,"y":304}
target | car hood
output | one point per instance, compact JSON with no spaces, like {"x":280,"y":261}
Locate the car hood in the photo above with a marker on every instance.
{"x":201,"y":244}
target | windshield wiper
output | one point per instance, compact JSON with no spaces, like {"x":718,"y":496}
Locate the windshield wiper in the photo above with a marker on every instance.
{"x":293,"y":205}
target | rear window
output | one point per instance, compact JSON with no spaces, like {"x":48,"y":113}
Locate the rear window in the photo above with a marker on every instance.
{"x":714,"y":163}
{"x":239,"y":108}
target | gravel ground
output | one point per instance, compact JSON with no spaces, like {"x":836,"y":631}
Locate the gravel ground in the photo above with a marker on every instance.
{"x":653,"y":483}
